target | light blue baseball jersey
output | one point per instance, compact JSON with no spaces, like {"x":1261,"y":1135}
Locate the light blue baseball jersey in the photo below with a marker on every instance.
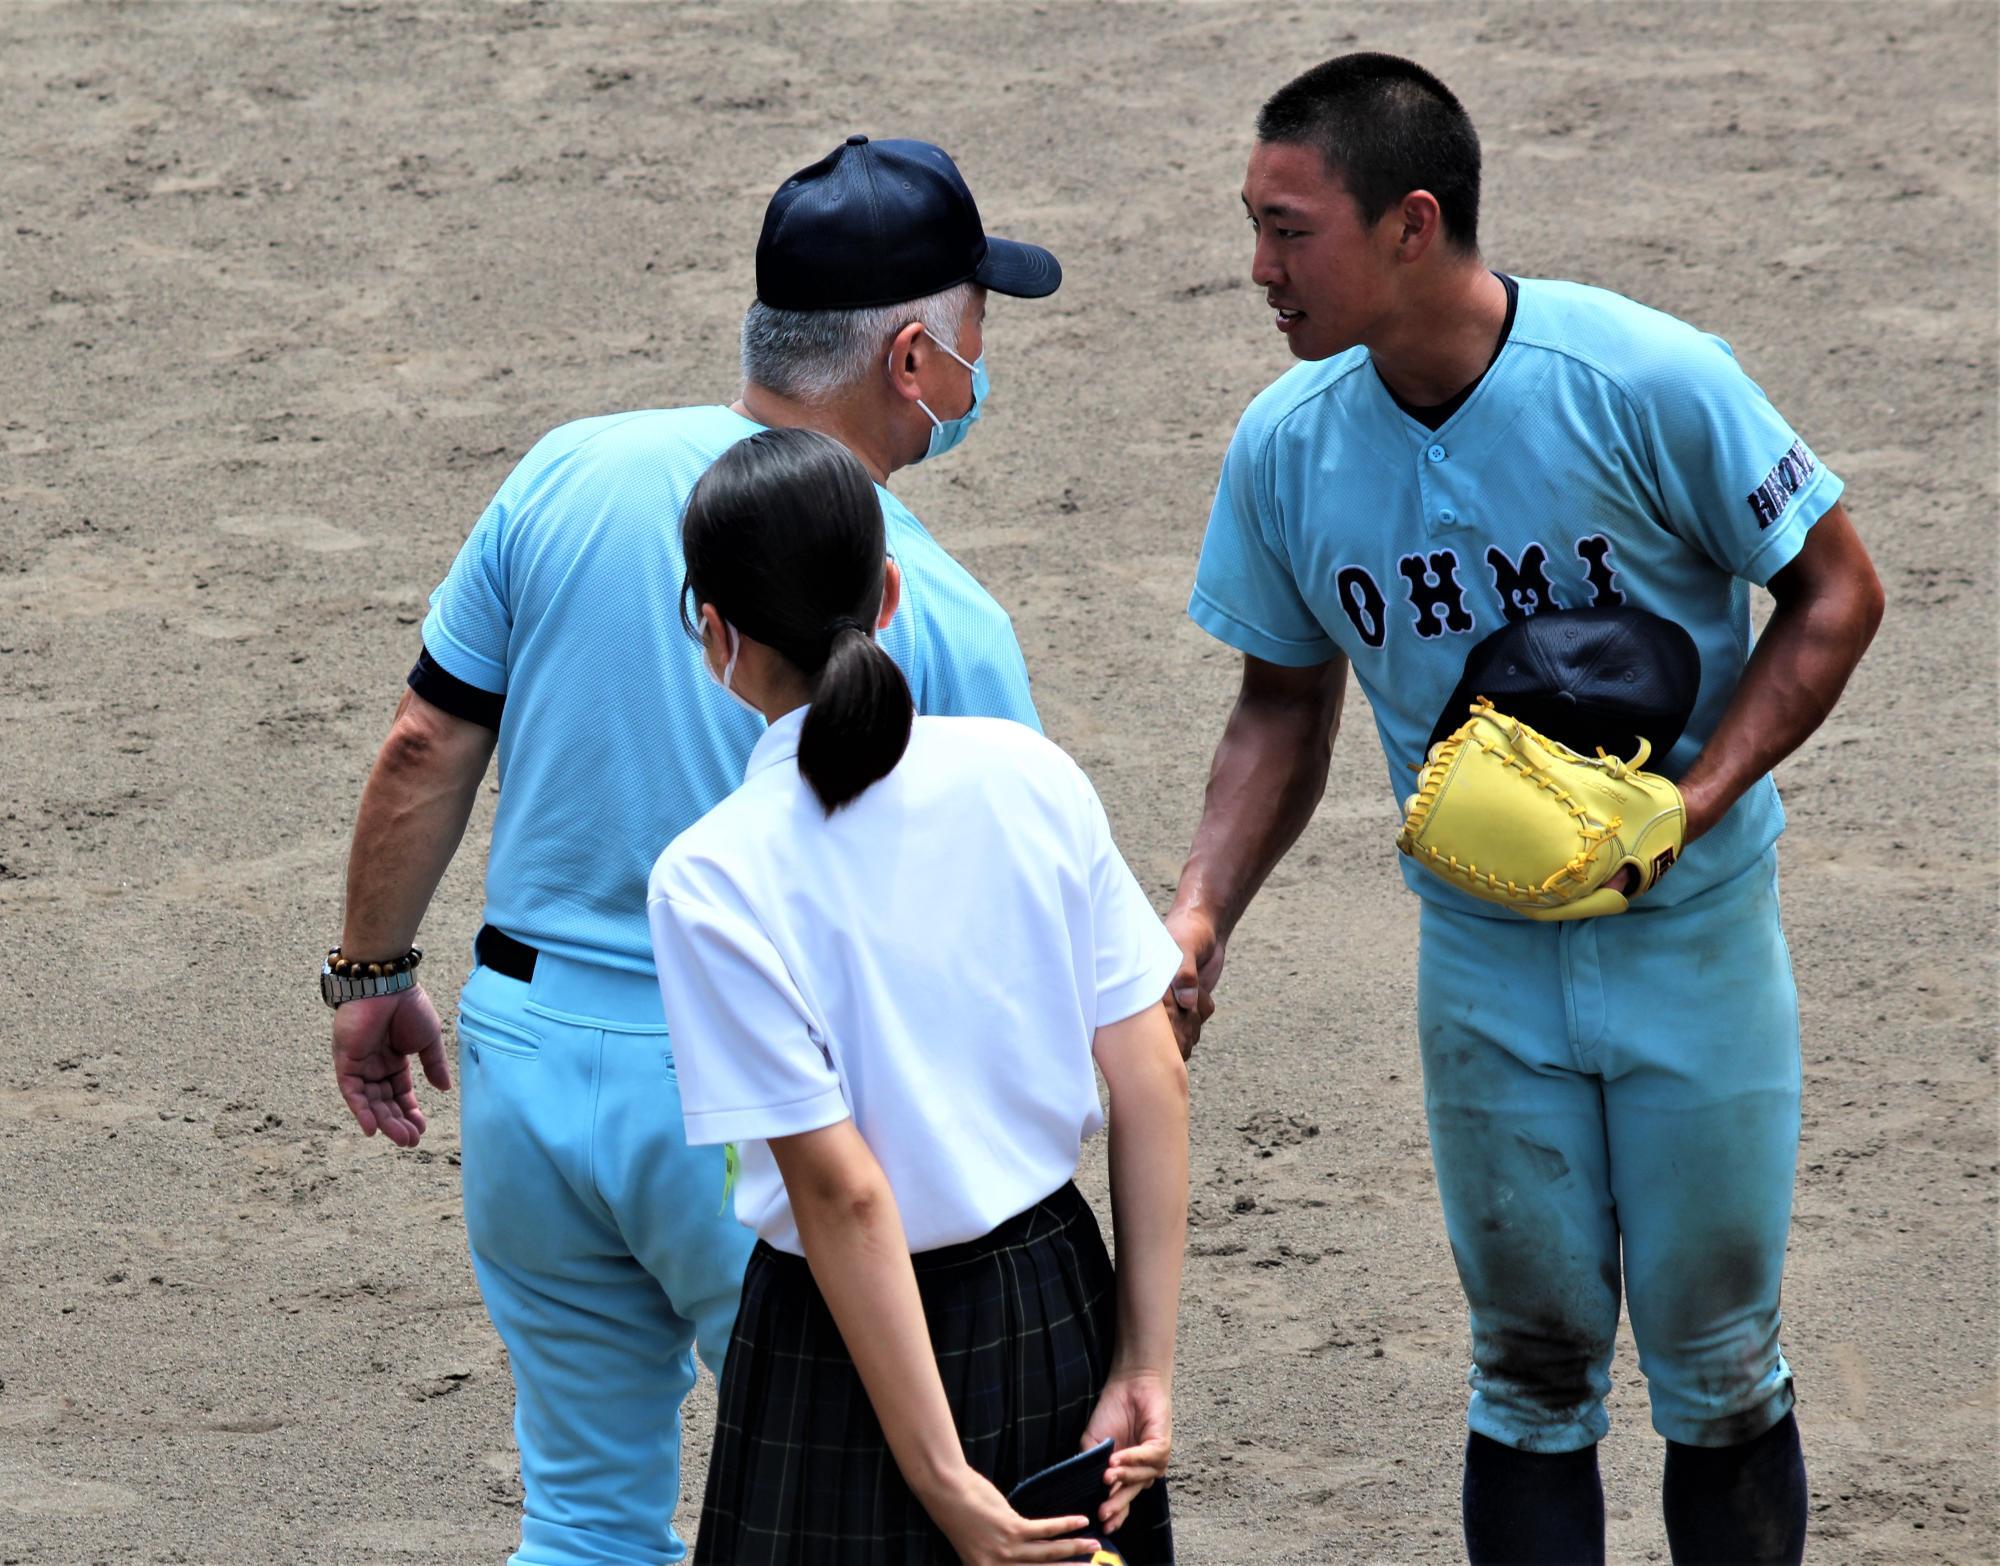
{"x":613,"y":740}
{"x":1610,"y":455}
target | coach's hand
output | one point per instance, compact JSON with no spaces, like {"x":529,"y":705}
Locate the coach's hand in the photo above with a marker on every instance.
{"x":986,"y":1531}
{"x":1190,"y":999}
{"x":1136,"y":1410}
{"x":373,"y":1041}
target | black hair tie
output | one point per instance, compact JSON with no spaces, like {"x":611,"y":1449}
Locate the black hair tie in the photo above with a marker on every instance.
{"x":831,"y":635}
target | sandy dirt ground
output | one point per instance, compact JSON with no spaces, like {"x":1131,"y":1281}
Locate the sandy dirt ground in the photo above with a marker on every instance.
{"x":286,"y":290}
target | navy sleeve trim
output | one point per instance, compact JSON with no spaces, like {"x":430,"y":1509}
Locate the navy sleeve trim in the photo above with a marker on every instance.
{"x":447,"y":692}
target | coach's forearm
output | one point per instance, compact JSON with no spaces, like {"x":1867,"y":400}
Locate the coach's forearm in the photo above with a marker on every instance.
{"x":413,"y":812}
{"x":1829,"y":605}
{"x":1265,"y":782}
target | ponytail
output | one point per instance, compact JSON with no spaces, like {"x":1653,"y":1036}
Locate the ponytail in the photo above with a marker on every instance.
{"x":858,"y":725}
{"x":784,"y":536}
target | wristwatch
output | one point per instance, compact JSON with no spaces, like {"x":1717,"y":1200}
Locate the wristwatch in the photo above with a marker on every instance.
{"x":341,"y":979}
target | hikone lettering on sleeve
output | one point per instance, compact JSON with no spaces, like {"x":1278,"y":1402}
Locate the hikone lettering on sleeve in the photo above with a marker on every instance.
{"x":1794,"y":470}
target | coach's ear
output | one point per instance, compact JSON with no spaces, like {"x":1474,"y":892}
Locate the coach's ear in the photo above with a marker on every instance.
{"x":892,"y":594}
{"x":1418,"y":221}
{"x":903,"y":362}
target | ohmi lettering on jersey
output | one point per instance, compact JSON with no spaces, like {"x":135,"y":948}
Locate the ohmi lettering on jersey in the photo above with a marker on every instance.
{"x":1364,"y":604}
{"x":1437,"y":597}
{"x":1524,"y":587}
{"x":1769,"y":499}
{"x":1435,"y":593}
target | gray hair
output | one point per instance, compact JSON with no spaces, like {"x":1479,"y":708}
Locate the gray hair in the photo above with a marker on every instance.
{"x":814,"y":355}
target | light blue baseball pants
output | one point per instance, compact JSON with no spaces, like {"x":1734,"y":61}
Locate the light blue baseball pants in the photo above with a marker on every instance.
{"x":1612,"y":1101}
{"x":603,"y":1245}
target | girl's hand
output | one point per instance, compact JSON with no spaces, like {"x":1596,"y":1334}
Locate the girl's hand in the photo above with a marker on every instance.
{"x":1136,"y":1411}
{"x":986,"y":1531}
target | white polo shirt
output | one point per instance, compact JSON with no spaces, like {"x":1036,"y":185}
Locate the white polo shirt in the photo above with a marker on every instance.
{"x":931,"y":960}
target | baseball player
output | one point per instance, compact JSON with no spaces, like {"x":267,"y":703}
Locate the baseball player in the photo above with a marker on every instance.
{"x":600,"y":1238}
{"x":1613,"y":1102}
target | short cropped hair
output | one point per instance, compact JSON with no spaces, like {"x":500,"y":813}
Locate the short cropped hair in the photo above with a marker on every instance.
{"x":812,"y":356}
{"x":1386,"y":127}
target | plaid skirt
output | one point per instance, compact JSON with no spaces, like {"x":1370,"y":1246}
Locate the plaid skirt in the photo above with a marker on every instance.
{"x":1023,"y":1323}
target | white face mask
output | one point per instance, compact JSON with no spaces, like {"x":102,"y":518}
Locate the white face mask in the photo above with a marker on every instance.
{"x":728,"y":674}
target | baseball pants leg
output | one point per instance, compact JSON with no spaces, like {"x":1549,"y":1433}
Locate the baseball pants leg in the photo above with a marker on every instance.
{"x":1518,"y":1140}
{"x":1701,"y":1059}
{"x":604,"y":1248}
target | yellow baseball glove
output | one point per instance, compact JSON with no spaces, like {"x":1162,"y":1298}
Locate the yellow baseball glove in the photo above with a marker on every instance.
{"x":1512,"y":817}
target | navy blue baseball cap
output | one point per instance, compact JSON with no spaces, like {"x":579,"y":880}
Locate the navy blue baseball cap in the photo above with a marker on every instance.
{"x":1585,"y":678}
{"x":880,"y":222}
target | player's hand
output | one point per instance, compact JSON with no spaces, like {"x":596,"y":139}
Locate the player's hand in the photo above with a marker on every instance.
{"x":1190,"y":999}
{"x":986,"y":1531}
{"x":1136,"y":1411}
{"x":373,"y":1040}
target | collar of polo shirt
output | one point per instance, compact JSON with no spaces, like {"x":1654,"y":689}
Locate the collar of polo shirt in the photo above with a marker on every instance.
{"x":779,"y":742}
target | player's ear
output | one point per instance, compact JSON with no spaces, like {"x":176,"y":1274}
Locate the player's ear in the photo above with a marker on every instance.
{"x":1419,"y":222}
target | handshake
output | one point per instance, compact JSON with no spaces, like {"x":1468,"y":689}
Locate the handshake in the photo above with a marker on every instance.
{"x":1190,"y":1000}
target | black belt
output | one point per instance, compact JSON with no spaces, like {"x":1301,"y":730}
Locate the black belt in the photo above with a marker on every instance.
{"x":499,"y":951}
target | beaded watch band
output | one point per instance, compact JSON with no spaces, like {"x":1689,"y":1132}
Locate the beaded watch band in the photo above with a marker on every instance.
{"x":342,"y":979}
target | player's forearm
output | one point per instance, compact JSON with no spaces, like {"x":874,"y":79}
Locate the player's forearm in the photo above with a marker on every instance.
{"x":1795,"y":675}
{"x":413,"y":813}
{"x":1263,"y":786}
{"x":854,"y":1242}
{"x":1149,"y":1187}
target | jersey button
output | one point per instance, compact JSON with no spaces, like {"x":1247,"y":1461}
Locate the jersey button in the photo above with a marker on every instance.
{"x":1436,"y":453}
{"x":1446,"y":515}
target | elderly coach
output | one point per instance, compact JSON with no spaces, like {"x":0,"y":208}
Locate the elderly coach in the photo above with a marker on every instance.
{"x":602,"y":1242}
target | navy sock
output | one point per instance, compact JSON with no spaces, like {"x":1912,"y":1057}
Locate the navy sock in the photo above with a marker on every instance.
{"x":1741,"y":1505}
{"x":1532,"y":1508}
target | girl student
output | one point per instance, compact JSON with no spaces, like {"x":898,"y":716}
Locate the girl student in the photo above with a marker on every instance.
{"x":888,"y":962}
